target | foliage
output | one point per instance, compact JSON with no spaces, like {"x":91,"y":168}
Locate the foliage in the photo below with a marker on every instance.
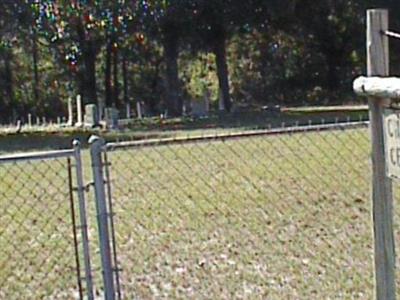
{"x":259,"y":52}
{"x":199,"y":76}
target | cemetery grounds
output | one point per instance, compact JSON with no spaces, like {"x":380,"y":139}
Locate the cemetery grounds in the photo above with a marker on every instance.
{"x":280,"y":216}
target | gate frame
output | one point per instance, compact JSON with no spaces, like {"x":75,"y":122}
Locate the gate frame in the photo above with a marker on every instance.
{"x":75,"y":154}
{"x":97,"y":146}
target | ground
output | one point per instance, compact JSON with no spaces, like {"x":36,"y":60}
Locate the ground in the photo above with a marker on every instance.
{"x":278,"y":217}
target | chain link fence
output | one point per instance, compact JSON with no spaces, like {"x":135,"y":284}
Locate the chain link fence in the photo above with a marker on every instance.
{"x":270,"y":214}
{"x":281,"y":213}
{"x":43,"y":237}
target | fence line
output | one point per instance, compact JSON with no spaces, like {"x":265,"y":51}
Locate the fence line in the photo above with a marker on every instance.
{"x":237,"y":179}
{"x":264,"y":212}
{"x":236,"y":135}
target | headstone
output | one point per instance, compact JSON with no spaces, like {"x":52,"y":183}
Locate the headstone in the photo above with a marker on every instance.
{"x":201,"y":107}
{"x":221,"y":104}
{"x":79,"y":121}
{"x":58,"y":121}
{"x":111,"y":117}
{"x":19,"y":126}
{"x":37,"y":121}
{"x":128,"y":110}
{"x":29,"y":120}
{"x":100,"y":109}
{"x":70,"y":121}
{"x":207,"y":101}
{"x":139,"y":110}
{"x":91,"y":115}
{"x":44,"y":121}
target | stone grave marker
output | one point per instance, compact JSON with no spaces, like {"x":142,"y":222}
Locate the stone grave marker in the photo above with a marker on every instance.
{"x":91,"y":115}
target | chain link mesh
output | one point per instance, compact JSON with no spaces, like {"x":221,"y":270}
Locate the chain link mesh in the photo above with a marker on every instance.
{"x":39,"y":240}
{"x":270,"y":214}
{"x":275,"y":216}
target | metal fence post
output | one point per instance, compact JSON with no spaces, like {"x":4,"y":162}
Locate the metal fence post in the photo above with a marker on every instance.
{"x":96,"y":145}
{"x":83,"y":219}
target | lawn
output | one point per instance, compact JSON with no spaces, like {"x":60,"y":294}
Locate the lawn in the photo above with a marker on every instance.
{"x":274,"y":217}
{"x":281,"y":217}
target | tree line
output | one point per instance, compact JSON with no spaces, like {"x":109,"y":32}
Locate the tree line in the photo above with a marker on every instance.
{"x":166,"y":53}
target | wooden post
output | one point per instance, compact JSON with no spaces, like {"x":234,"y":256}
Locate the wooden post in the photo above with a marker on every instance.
{"x":382,"y":202}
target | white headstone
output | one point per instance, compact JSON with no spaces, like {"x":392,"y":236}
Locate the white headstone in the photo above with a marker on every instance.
{"x":19,"y":126}
{"x":79,"y":121}
{"x":29,"y":120}
{"x":37,"y":121}
{"x":128,"y":110}
{"x":139,"y":110}
{"x":91,"y":115}
{"x":70,"y":121}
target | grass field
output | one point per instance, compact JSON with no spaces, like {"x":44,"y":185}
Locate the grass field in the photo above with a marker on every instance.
{"x":283,"y":217}
{"x":277,"y":217}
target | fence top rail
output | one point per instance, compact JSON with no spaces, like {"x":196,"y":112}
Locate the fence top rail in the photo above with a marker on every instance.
{"x":36,"y":155}
{"x":232,"y":136}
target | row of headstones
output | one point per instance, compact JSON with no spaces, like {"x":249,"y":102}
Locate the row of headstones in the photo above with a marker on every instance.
{"x":91,"y":117}
{"x":31,"y":121}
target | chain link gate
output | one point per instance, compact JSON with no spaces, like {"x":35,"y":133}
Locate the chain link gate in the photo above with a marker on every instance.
{"x":235,"y":215}
{"x":44,"y":247}
{"x":257,"y":213}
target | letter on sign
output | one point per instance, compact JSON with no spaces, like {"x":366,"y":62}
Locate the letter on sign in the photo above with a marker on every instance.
{"x":391,"y":127}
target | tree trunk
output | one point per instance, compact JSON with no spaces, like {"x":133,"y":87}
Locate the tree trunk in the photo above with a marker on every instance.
{"x":125,"y":79}
{"x":9,"y":82}
{"x":222,"y":72}
{"x":89,"y":71}
{"x":90,"y":74}
{"x":35,"y":61}
{"x":107,"y":75}
{"x":115,"y":78}
{"x":173,"y":99}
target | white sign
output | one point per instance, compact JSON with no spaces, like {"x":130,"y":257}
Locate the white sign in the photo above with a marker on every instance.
{"x":391,"y":128}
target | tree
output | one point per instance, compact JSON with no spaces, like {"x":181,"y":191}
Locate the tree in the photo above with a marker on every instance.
{"x":74,"y":30}
{"x":333,"y":28}
{"x":167,"y":21}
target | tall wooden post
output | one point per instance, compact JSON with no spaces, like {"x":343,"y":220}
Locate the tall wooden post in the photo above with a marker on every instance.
{"x":382,"y":202}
